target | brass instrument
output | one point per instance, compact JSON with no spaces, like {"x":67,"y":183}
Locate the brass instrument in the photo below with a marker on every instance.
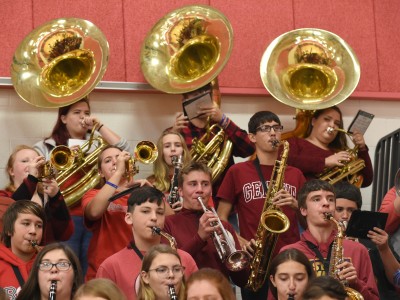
{"x":337,"y":258}
{"x":272,"y":223}
{"x":184,"y":51}
{"x":61,"y":158}
{"x":350,"y":170}
{"x":235,"y":260}
{"x":53,"y":290}
{"x":59,"y":62}
{"x":145,"y":152}
{"x":309,"y":69}
{"x":170,"y":238}
{"x":173,"y":196}
{"x":35,"y":246}
{"x":172,"y":293}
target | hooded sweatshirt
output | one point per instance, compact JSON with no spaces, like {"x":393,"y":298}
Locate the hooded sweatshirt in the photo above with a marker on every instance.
{"x":8,"y":278}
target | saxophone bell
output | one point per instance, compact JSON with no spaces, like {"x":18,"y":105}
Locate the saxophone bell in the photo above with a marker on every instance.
{"x":53,"y":290}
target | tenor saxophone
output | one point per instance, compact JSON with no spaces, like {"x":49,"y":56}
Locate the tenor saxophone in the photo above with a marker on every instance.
{"x":337,"y":258}
{"x":272,"y":223}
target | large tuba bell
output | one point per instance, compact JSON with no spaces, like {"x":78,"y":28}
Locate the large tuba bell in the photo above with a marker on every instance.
{"x":185,"y":51}
{"x":59,"y":62}
{"x":309,"y":69}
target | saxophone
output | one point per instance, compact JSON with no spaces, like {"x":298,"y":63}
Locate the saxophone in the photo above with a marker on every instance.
{"x":170,"y":238}
{"x":272,"y":223}
{"x":173,"y":196}
{"x":337,"y":258}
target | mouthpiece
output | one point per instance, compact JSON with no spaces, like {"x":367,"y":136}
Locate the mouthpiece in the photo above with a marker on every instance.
{"x":156,"y":230}
{"x":328,"y":216}
{"x":275,"y":143}
{"x":290,"y":297}
{"x":35,"y":246}
{"x":330,"y":129}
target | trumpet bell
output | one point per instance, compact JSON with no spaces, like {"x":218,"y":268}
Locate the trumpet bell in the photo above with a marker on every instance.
{"x":309,"y":69}
{"x":146,"y":152}
{"x":186,"y":49}
{"x":59,"y":62}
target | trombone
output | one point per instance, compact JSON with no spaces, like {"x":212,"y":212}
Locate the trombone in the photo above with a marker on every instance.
{"x":235,"y":260}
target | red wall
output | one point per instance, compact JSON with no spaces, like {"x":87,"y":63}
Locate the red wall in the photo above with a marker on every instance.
{"x":369,"y":26}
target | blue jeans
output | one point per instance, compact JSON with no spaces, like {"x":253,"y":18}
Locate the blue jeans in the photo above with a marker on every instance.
{"x":79,"y":241}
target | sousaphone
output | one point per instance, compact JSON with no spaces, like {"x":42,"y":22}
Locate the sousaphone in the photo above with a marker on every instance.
{"x":309,"y":69}
{"x":60,"y":62}
{"x":186,"y":49}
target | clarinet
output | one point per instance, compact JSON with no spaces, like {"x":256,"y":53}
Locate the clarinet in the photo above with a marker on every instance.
{"x":290,"y":297}
{"x":172,"y":293}
{"x":173,"y":196}
{"x":53,"y":290}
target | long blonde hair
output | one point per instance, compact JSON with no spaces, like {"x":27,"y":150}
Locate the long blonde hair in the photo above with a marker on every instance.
{"x":162,"y":180}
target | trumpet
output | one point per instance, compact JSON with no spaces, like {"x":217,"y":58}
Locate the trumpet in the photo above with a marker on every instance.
{"x":235,"y":260}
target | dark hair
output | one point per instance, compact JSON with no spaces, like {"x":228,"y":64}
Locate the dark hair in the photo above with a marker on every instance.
{"x":31,"y":289}
{"x":60,"y":132}
{"x":191,"y":167}
{"x":324,"y":286}
{"x":100,"y":287}
{"x":346,"y":190}
{"x":340,"y":141}
{"x":145,"y":194}
{"x":11,"y":215}
{"x":216,"y":278}
{"x":289,"y":255}
{"x":145,"y":291}
{"x":260,"y":118}
{"x":312,"y":186}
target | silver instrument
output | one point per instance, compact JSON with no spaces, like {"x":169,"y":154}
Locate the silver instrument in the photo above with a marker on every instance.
{"x":172,"y":293}
{"x":173,"y":196}
{"x":235,"y":260}
{"x":53,"y":290}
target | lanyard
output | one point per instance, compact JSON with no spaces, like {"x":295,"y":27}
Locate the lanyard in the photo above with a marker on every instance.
{"x":134,"y":248}
{"x":260,"y":175}
{"x":326,"y":261}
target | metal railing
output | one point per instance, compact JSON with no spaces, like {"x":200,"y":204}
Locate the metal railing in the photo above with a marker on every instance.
{"x":386,"y":164}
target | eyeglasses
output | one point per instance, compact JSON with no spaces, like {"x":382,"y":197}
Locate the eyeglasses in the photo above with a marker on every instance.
{"x":163,"y":272}
{"x":267,"y":128}
{"x":61,"y":266}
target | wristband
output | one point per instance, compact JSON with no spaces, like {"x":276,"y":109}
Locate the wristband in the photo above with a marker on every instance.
{"x":112,"y":184}
{"x":98,"y":129}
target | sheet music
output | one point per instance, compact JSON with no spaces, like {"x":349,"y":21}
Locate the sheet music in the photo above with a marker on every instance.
{"x":361,"y":122}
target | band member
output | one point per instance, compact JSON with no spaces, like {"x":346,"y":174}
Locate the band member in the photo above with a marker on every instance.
{"x":289,"y":273}
{"x":209,"y":283}
{"x":193,"y":228}
{"x":55,"y":264}
{"x":245,"y":185}
{"x":99,"y":288}
{"x":74,"y":122}
{"x":325,"y":287}
{"x":322,"y":148}
{"x":23,"y":228}
{"x":317,"y":199}
{"x":102,"y":217}
{"x":162,"y":275}
{"x":23,"y":171}
{"x":172,"y":145}
{"x":146,"y":210}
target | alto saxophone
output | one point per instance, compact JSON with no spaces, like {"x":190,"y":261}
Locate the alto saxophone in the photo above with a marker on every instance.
{"x":272,"y":223}
{"x":337,"y":258}
{"x":170,"y":238}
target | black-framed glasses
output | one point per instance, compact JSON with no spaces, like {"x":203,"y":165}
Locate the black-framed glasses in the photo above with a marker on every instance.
{"x":60,"y":266}
{"x":164,"y":271}
{"x":267,"y":128}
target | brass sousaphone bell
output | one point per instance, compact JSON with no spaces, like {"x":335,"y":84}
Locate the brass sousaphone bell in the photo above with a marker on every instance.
{"x":186,"y":49}
{"x":309,"y":69}
{"x":60,"y":62}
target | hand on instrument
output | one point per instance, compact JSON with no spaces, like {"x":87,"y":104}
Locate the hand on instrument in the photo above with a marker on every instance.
{"x":212,"y":111}
{"x":89,"y":121}
{"x":33,"y":166}
{"x":347,"y":272}
{"x":181,"y":121}
{"x":50,"y":187}
{"x":379,"y":237}
{"x":358,"y":140}
{"x":283,"y":198}
{"x":337,"y":159}
{"x":248,"y":246}
{"x":208,"y":223}
{"x":177,"y":206}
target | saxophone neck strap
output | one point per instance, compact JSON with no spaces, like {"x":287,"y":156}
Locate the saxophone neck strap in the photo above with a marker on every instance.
{"x":136,"y":249}
{"x":326,"y":261}
{"x":256,"y":162}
